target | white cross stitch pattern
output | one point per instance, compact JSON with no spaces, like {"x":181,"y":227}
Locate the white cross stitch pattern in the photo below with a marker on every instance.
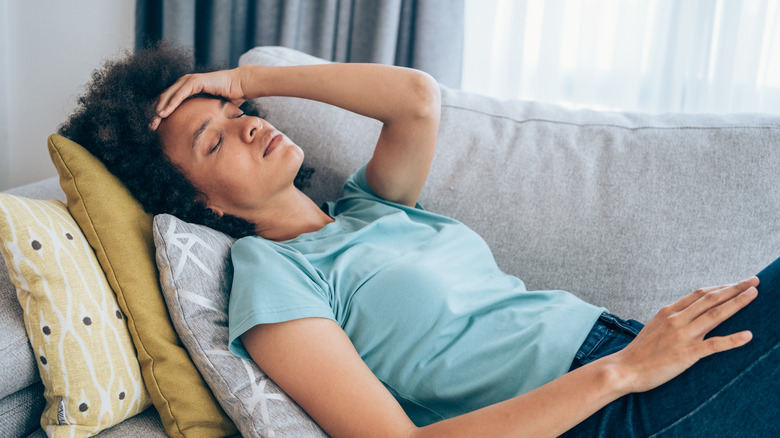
{"x":195,"y":275}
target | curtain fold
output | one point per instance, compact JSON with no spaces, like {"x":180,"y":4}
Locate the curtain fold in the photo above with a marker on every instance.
{"x":641,"y":55}
{"x":423,"y":34}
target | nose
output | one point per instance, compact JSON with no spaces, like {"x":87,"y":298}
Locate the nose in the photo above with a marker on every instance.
{"x":250,"y":128}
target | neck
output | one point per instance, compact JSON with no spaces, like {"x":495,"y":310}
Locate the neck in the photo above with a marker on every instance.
{"x":296,"y":214}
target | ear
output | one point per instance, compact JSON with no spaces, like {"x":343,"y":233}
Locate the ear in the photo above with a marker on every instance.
{"x":218,"y":211}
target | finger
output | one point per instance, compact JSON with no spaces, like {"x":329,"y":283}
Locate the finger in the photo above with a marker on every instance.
{"x":685,"y":302}
{"x":155,"y":123}
{"x":175,"y":99}
{"x":715,"y":315}
{"x":171,"y":98}
{"x":718,"y":344}
{"x":715,"y":296}
{"x":165,"y":97}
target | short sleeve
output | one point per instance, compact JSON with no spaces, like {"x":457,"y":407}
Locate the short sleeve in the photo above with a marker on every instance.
{"x":272,"y":284}
{"x":356,"y":187}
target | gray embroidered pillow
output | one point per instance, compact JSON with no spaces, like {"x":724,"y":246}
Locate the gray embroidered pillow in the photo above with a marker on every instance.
{"x":195,"y":275}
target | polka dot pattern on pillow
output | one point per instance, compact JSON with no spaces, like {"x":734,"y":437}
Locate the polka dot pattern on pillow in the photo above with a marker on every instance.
{"x":77,"y":331}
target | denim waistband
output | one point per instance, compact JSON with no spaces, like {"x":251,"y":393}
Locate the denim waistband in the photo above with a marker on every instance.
{"x":608,"y":335}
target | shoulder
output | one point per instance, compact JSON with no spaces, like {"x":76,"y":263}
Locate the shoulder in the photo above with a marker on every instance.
{"x":357,"y":195}
{"x":252,"y":248}
{"x":254,"y":257}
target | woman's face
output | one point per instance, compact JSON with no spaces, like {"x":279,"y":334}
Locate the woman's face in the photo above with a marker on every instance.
{"x":238,"y":162}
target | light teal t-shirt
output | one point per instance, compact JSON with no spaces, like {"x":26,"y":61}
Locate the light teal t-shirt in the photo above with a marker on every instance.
{"x":421,"y":298}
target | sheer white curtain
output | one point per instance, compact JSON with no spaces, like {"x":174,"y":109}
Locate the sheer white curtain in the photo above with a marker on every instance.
{"x":637,"y":55}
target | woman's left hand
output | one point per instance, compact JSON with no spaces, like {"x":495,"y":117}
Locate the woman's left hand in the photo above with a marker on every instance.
{"x":676,"y":337}
{"x":224,"y":83}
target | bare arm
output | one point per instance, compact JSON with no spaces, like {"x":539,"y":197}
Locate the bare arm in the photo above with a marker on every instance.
{"x":406,"y":101}
{"x":315,"y":363}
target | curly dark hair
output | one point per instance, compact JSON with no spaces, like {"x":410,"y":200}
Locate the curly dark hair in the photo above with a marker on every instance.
{"x":112,"y":119}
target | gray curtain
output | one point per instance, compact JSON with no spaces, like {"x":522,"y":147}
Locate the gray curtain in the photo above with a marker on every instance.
{"x":423,"y":34}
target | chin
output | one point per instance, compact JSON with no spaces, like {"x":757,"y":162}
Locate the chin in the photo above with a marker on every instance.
{"x":299,"y":155}
{"x":299,"y":151}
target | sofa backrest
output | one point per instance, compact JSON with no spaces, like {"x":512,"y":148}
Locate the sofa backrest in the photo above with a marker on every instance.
{"x":629,"y":211}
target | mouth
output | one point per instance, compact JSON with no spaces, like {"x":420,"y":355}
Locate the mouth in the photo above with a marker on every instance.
{"x":272,"y":144}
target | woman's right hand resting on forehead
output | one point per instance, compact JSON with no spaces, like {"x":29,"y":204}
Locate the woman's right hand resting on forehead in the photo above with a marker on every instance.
{"x":316,"y":364}
{"x":406,"y":101}
{"x":223,"y":83}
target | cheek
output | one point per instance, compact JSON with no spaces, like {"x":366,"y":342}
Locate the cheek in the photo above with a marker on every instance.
{"x":232,"y":175}
{"x":237,"y":175}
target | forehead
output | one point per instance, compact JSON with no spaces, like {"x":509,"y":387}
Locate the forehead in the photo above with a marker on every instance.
{"x":194,"y":110}
{"x":177,"y":131}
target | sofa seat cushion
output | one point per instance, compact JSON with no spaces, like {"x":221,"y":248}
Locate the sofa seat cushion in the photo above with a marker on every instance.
{"x":20,"y":412}
{"x":147,"y":424}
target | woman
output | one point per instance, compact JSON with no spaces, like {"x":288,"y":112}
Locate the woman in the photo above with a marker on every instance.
{"x":326,"y":300}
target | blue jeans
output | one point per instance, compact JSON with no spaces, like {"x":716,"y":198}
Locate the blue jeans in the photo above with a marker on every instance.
{"x":731,"y":394}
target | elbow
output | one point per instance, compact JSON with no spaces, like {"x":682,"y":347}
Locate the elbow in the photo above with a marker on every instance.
{"x":425,"y":101}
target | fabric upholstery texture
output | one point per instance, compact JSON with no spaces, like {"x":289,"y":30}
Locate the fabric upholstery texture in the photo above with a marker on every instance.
{"x":630,"y":211}
{"x":78,"y":334}
{"x":120,"y":232}
{"x":44,"y":189}
{"x":21,"y":389}
{"x":195,"y":275}
{"x":147,"y":424}
{"x":20,"y":412}
{"x":17,"y":365}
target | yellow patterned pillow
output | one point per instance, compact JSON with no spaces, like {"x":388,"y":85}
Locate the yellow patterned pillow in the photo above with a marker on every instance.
{"x":120,"y":232}
{"x":78,"y":334}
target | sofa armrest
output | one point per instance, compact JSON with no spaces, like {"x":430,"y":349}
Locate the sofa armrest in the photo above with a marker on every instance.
{"x":48,"y":188}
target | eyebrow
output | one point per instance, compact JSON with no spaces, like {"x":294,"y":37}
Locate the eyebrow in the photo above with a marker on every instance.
{"x":199,"y":132}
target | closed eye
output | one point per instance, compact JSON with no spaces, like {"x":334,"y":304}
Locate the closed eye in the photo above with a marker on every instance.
{"x":216,"y":146}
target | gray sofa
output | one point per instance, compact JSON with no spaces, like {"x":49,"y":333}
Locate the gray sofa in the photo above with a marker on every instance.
{"x":628,"y":211}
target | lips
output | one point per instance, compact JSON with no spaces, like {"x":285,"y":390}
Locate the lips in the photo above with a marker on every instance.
{"x":272,"y":144}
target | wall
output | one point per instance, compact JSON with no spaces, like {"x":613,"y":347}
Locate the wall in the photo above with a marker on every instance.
{"x":4,"y":92}
{"x":47,"y":53}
